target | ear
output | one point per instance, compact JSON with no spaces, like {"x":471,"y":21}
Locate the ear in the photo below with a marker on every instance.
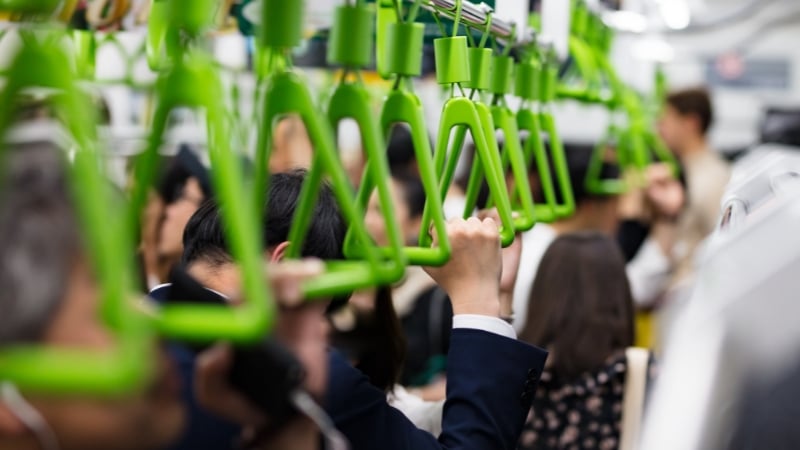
{"x":277,"y":253}
{"x":10,"y":425}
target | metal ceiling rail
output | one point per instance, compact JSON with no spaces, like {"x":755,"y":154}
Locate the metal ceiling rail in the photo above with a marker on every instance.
{"x":475,"y":16}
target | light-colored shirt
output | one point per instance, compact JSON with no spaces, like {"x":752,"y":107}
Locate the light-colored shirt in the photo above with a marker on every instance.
{"x":534,"y":243}
{"x":425,"y":415}
{"x":707,"y":174}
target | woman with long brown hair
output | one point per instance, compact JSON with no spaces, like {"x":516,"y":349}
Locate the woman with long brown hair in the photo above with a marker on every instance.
{"x":582,"y":311}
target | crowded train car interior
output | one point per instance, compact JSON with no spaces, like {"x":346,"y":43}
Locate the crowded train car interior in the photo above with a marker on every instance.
{"x":399,"y":224}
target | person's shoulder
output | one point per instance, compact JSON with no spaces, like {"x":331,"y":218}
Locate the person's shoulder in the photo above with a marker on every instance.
{"x":160,"y":292}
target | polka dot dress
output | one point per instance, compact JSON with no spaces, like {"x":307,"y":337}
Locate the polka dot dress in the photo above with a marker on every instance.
{"x":579,"y":414}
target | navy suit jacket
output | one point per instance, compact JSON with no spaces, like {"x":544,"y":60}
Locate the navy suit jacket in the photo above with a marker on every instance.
{"x":491,"y":380}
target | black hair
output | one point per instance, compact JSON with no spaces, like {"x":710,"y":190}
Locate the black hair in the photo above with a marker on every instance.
{"x":413,"y":192}
{"x":183,"y":166}
{"x":694,"y":101}
{"x":376,"y":343}
{"x":578,"y":156}
{"x":400,"y":151}
{"x":204,"y":236}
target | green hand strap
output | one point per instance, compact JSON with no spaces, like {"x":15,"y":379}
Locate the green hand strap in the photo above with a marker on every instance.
{"x":512,"y":156}
{"x":588,"y":69}
{"x":285,"y":93}
{"x":62,"y":371}
{"x":193,"y":82}
{"x":528,"y":87}
{"x":462,"y":114}
{"x":350,"y":100}
{"x":403,"y":58}
{"x":566,"y":207}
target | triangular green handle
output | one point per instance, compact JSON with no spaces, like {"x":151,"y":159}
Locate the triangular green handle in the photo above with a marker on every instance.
{"x":566,"y":207}
{"x":534,"y":148}
{"x":489,"y":166}
{"x":524,"y":210}
{"x":404,"y":107}
{"x":30,"y":366}
{"x":594,"y":182}
{"x":464,"y":114}
{"x":352,"y":101}
{"x":193,"y":82}
{"x":286,"y":94}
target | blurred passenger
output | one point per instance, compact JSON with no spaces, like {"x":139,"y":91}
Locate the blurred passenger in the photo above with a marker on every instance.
{"x":400,"y":151}
{"x":51,"y":298}
{"x":207,"y":259}
{"x":184,"y":186}
{"x":581,"y":311}
{"x":291,"y":146}
{"x":684,"y":127}
{"x":423,"y":308}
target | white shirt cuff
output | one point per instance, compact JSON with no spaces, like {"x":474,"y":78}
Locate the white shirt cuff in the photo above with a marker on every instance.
{"x":490,"y":324}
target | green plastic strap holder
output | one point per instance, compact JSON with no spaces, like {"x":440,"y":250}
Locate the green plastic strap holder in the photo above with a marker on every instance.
{"x":281,"y":23}
{"x":351,"y":46}
{"x":193,"y":82}
{"x":51,"y":371}
{"x":480,"y":66}
{"x":402,"y":57}
{"x":453,"y":67}
{"x":286,"y":94}
{"x":549,"y":79}
{"x":523,"y":208}
{"x":452,"y":60}
{"x":350,"y":41}
{"x":403,"y":51}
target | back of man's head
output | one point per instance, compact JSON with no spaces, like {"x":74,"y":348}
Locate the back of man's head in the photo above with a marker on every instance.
{"x":204,"y":236}
{"x":39,"y":239}
{"x":578,"y":157}
{"x":694,"y":102}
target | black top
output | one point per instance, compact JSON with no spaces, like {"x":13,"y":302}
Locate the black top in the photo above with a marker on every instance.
{"x":427,"y":329}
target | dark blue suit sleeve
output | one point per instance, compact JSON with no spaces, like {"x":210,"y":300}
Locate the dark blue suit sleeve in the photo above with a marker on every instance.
{"x":490,"y":384}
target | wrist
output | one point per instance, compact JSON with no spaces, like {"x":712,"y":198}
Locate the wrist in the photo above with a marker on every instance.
{"x":483,"y":304}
